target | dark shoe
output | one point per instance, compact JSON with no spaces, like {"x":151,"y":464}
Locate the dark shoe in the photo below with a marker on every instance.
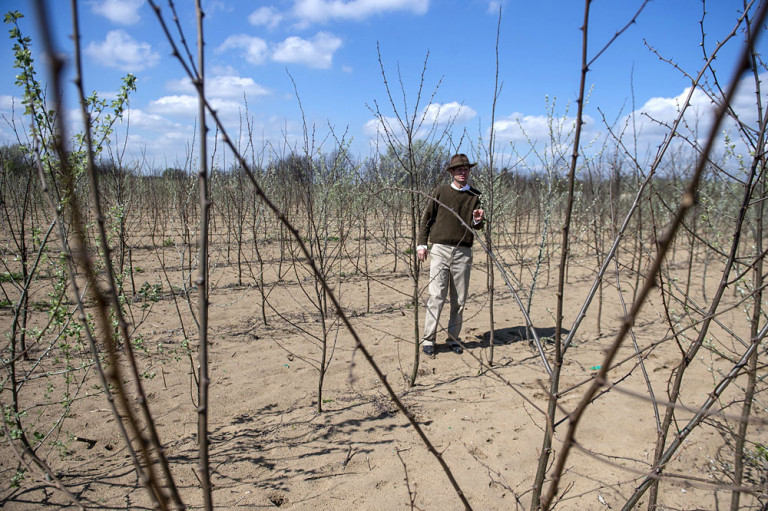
{"x":457,"y":349}
{"x":428,"y":350}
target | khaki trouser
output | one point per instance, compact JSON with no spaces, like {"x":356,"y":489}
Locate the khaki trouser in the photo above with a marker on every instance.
{"x":448,"y":275}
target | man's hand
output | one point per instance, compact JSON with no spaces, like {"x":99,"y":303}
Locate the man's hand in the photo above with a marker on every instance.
{"x":422,"y":254}
{"x":478,"y":215}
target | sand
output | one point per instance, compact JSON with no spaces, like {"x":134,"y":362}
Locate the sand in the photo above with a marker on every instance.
{"x":270,"y":448}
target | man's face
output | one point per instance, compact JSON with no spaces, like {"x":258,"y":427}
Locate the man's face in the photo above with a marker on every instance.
{"x":460,"y":174}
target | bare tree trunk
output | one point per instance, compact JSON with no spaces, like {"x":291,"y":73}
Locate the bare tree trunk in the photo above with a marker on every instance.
{"x":202,"y":278}
{"x":416,"y":265}
{"x":365,"y":263}
{"x":489,"y":206}
{"x":557,"y":366}
{"x":757,"y":311}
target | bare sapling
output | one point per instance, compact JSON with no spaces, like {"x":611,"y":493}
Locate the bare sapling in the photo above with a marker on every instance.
{"x":203,"y":186}
{"x":664,"y":245}
{"x":741,"y":443}
{"x":554,"y":382}
{"x":331,"y":296}
{"x":18,"y":195}
{"x":560,"y":346}
{"x":414,"y":150}
{"x":492,"y":180}
{"x":60,"y":170}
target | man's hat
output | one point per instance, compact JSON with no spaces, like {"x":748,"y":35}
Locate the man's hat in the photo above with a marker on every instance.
{"x":459,"y":160}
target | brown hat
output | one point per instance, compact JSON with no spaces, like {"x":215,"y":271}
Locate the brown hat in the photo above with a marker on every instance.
{"x":459,"y":160}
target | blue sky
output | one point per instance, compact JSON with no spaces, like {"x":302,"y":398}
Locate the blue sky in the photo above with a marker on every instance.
{"x":328,"y":49}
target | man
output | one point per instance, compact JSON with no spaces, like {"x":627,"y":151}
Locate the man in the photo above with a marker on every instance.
{"x":451,"y":250}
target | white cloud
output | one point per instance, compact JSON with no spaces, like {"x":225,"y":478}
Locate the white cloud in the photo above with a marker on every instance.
{"x":699,"y":114}
{"x":229,"y":111}
{"x":319,"y":11}
{"x":666,"y":109}
{"x":215,"y":6}
{"x":651,"y":123}
{"x":123,"y":12}
{"x":553,"y":131}
{"x":234,"y":87}
{"x":435,"y":115}
{"x":494,"y":5}
{"x":8,"y":102}
{"x":520,"y":127}
{"x":653,"y":120}
{"x":265,"y":16}
{"x":316,"y":52}
{"x":745,"y":100}
{"x":121,"y":51}
{"x":255,"y":48}
{"x":374,"y":127}
{"x":222,"y":86}
{"x":448,"y":112}
{"x":184,"y":105}
{"x":140,"y":119}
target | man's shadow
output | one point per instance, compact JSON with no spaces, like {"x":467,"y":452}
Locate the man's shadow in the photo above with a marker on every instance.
{"x":519,"y":333}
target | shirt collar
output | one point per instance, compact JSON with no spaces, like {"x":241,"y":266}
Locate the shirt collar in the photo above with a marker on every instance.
{"x":463,"y":189}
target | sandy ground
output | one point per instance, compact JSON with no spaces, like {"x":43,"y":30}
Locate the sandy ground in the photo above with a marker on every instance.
{"x":271,"y":449}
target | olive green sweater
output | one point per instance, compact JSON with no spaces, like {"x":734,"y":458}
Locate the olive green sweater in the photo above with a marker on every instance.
{"x":439,"y":225}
